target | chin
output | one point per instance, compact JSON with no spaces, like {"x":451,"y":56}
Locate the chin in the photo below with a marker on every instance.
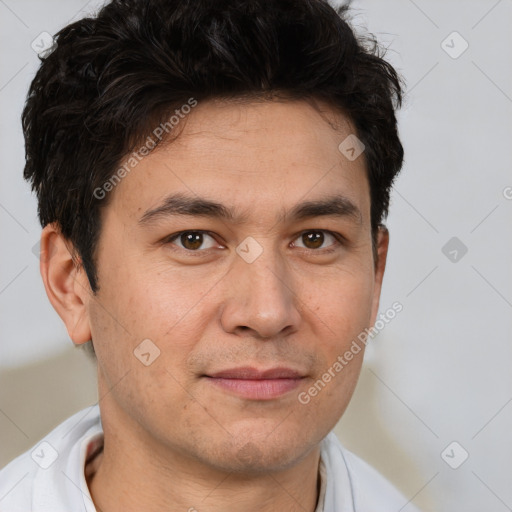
{"x":251,"y":456}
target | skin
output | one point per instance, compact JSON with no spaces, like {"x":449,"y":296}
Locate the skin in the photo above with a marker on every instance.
{"x":174,"y":441}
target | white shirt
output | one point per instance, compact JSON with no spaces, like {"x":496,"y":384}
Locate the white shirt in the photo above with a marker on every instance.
{"x":50,"y":477}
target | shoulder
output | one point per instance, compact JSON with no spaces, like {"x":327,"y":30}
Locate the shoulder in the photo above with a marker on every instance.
{"x":43,"y":477}
{"x":370,"y":490}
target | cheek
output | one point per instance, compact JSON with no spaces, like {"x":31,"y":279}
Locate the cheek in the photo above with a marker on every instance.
{"x":154,"y":301}
{"x":340,"y":313}
{"x":329,"y":393}
{"x":142,"y":336}
{"x":165,"y":308}
{"x":342,"y":307}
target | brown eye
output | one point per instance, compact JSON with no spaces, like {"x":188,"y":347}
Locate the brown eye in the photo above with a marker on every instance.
{"x":314,"y":239}
{"x":191,"y":240}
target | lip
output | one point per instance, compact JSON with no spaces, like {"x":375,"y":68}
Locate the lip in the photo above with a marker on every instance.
{"x":248,"y":372}
{"x":254,"y":384}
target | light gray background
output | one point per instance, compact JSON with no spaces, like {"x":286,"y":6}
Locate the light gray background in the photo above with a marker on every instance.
{"x":440,"y":371}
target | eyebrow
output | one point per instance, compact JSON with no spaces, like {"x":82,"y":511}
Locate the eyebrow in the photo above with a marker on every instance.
{"x":182,"y":205}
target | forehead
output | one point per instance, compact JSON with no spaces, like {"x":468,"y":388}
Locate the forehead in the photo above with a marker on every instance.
{"x":258,"y":157}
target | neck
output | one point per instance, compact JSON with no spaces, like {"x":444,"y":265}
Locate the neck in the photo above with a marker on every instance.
{"x":125,"y":484}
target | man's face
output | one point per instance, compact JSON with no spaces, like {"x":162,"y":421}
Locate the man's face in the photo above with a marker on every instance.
{"x":264,"y":289}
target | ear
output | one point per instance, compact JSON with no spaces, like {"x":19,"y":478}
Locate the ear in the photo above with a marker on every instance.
{"x":380,"y":266}
{"x":66,"y":283}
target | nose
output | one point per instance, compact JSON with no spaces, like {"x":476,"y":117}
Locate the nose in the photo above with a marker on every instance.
{"x":261,"y":300}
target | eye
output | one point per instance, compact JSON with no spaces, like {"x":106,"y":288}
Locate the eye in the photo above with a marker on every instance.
{"x":315,"y":238}
{"x":312,"y":240}
{"x":191,"y":240}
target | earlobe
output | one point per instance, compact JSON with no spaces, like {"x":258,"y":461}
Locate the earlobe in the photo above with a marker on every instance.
{"x":380,"y":266}
{"x":65,"y":283}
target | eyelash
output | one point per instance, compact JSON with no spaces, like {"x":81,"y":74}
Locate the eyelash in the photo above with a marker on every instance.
{"x":340,"y":239}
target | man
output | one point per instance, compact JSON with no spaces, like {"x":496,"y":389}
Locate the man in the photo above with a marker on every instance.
{"x":212,"y":177}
